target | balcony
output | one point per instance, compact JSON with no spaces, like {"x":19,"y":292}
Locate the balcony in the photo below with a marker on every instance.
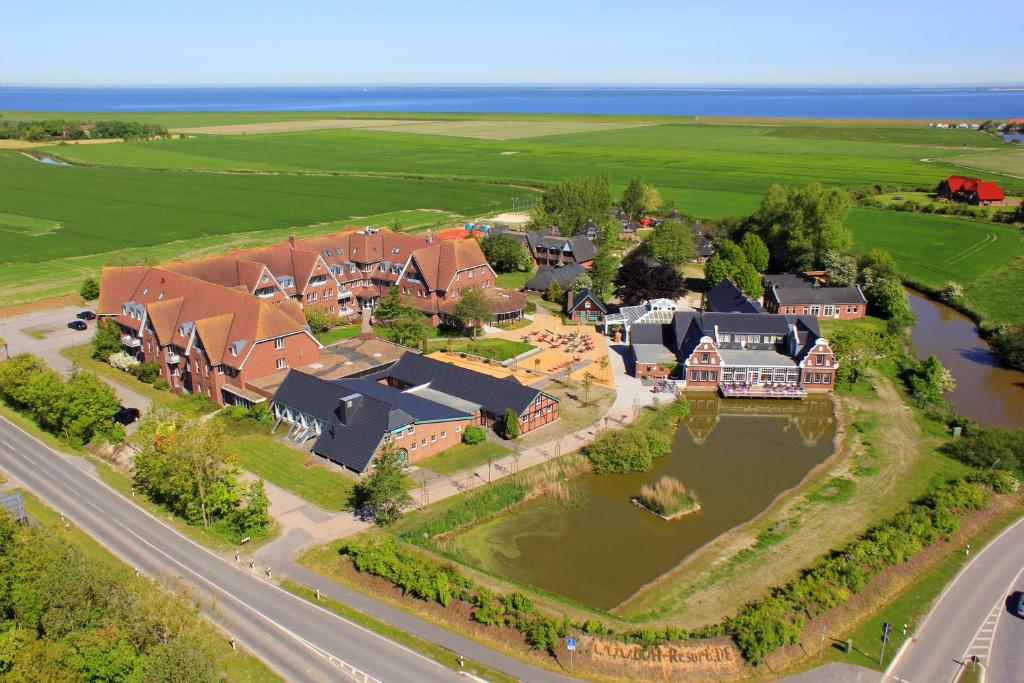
{"x":762,"y":391}
{"x":173,"y":357}
{"x":130,"y":341}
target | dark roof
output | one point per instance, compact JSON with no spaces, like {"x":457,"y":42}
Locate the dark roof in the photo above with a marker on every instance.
{"x":816,"y":295}
{"x":494,"y":394}
{"x":647,"y":333}
{"x":546,"y":274}
{"x":746,"y":323}
{"x":582,"y":248}
{"x":789,"y":280}
{"x":590,"y":226}
{"x":704,"y":247}
{"x":583,"y":296}
{"x":352,"y":439}
{"x":726,"y":297}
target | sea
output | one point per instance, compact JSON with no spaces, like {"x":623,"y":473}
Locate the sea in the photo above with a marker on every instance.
{"x":824,"y":102}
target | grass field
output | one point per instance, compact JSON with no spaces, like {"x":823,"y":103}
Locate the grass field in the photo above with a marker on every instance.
{"x":496,"y":349}
{"x":462,"y":456}
{"x":294,"y":471}
{"x":1011,"y":163}
{"x":339,"y":333}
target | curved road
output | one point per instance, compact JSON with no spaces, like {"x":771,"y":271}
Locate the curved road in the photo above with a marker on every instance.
{"x":298,"y":639}
{"x":971,"y":618}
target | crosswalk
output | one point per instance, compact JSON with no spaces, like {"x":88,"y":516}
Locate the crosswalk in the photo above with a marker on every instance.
{"x":981,"y":645}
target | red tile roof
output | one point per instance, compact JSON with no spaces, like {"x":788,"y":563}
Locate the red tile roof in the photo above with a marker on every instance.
{"x":990,"y":192}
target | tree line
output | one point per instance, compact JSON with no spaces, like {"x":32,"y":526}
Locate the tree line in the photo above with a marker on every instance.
{"x":64,"y":129}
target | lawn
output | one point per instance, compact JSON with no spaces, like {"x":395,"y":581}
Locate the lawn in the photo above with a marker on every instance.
{"x":189,"y":406}
{"x":463,"y":456}
{"x":294,"y":471}
{"x":513,"y":280}
{"x":573,"y":414}
{"x":495,"y":349}
{"x":339,"y":333}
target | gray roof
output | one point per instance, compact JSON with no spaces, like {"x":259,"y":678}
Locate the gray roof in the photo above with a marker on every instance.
{"x":582,"y":248}
{"x":647,"y":333}
{"x":788,"y":280}
{"x":494,"y":394}
{"x":585,"y":295}
{"x":447,"y":399}
{"x":653,"y":353}
{"x":756,"y":357}
{"x":726,"y":297}
{"x":545,"y":275}
{"x":816,"y":295}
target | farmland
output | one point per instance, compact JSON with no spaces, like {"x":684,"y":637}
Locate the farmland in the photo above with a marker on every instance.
{"x":463,"y":165}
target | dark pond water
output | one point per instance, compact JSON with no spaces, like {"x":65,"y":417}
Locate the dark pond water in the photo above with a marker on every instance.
{"x":985,"y":391}
{"x":737,"y":455}
{"x":1010,"y":137}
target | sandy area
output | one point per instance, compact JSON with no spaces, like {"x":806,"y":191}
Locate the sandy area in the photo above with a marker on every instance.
{"x":21,"y":144}
{"x":512,"y":218}
{"x":292,"y":126}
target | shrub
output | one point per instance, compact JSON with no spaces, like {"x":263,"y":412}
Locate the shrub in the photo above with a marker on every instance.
{"x":625,"y":450}
{"x":123,"y":361}
{"x":161,"y":384}
{"x":510,"y":425}
{"x":473,"y":434}
{"x":147,"y":372}
{"x":90,"y":289}
{"x":495,"y":498}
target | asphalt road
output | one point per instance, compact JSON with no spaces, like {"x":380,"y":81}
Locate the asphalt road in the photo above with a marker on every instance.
{"x":296,"y":638}
{"x":971,"y":618}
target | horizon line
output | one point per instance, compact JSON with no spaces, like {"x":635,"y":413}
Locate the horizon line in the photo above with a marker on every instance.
{"x":526,"y":84}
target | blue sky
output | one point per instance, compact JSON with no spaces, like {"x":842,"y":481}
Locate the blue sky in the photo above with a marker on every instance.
{"x":443,"y":41}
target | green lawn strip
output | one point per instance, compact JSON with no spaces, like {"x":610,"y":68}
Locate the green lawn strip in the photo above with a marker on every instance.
{"x":217,"y":538}
{"x":294,"y":471}
{"x":236,"y":665}
{"x":439,"y":654}
{"x":912,"y":603}
{"x":189,"y":406}
{"x":28,"y":424}
{"x":340,"y":333}
{"x":514,"y":280}
{"x":463,"y":456}
{"x":494,"y":348}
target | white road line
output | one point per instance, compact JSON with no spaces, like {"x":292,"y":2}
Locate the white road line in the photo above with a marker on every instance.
{"x":7,"y":444}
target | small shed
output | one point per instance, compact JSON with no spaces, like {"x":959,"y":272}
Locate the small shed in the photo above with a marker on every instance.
{"x":586,"y":307}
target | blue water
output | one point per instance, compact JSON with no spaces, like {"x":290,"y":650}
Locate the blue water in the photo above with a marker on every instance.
{"x":928,"y":103}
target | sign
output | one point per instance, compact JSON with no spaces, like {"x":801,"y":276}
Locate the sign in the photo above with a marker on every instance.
{"x":570,"y":643}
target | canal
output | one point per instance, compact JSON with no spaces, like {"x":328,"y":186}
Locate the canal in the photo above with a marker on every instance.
{"x":985,"y":391}
{"x":738,"y":455}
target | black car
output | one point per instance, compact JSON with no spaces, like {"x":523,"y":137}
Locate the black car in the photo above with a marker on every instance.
{"x":86,"y":315}
{"x":126,"y":416}
{"x":78,"y":325}
{"x":1020,"y":604}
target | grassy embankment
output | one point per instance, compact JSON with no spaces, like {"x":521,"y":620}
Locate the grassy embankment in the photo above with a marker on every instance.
{"x":234,"y":665}
{"x":463,"y":456}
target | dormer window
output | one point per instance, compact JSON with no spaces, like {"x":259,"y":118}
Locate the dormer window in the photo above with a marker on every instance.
{"x":394,"y":250}
{"x":145,"y":291}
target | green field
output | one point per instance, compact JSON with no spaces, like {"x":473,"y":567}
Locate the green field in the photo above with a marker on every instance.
{"x":495,"y":349}
{"x":146,"y":195}
{"x":462,"y":456}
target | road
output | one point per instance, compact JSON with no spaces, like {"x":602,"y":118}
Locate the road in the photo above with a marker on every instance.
{"x":971,"y":618}
{"x":296,"y":638}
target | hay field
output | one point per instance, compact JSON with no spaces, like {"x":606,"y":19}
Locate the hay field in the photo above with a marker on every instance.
{"x":266,"y":127}
{"x":503,"y":130}
{"x":1009,"y":162}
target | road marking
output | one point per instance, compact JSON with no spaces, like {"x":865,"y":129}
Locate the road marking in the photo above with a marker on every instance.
{"x":7,"y":444}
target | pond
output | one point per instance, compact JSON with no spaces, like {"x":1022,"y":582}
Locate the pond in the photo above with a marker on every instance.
{"x":1010,"y":137}
{"x":985,"y":391}
{"x":737,"y":455}
{"x":47,"y":159}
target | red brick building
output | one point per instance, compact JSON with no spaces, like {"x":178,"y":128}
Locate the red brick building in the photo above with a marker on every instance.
{"x":799,"y":294}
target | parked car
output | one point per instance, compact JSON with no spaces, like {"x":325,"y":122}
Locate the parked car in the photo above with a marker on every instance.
{"x":78,"y":325}
{"x":126,"y":415}
{"x":86,"y":315}
{"x":1020,"y":604}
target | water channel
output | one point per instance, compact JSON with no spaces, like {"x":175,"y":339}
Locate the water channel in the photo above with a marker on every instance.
{"x":985,"y":391}
{"x":738,"y":455}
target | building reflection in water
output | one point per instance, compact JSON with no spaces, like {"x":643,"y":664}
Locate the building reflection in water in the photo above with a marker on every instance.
{"x":812,"y":416}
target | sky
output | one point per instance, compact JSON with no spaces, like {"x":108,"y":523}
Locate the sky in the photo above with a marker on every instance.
{"x":319,"y":42}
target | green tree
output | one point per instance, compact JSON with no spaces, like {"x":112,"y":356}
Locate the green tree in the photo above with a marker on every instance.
{"x":318,"y":321}
{"x":408,"y":328}
{"x":748,"y":279}
{"x":573,"y":201}
{"x":756,"y":251}
{"x":473,"y":309}
{"x":510,"y":424}
{"x":929,"y":380}
{"x":1008,"y":343}
{"x":588,"y":386}
{"x":716,"y":269}
{"x":634,"y":199}
{"x":580,"y":283}
{"x":856,"y":349}
{"x":88,"y":403}
{"x":887,"y":299}
{"x":841,"y":269}
{"x":603,"y":269}
{"x":106,"y":340}
{"x":382,"y":492}
{"x":672,"y":243}
{"x":506,"y":254}
{"x":253,"y":517}
{"x":390,"y":305}
{"x":554,"y":294}
{"x":801,"y":225}
{"x":90,"y":289}
{"x":878,"y":263}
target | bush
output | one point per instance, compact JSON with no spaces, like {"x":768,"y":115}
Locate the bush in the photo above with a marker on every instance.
{"x":147,"y":372}
{"x":473,"y":434}
{"x":632,"y":449}
{"x":90,"y":289}
{"x":161,"y":384}
{"x":123,"y":361}
{"x":495,"y":498}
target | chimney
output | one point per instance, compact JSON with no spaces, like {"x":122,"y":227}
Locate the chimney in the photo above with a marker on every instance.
{"x":347,"y":407}
{"x":291,"y":241}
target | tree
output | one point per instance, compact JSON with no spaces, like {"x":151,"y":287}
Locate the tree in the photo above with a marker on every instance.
{"x":801,"y":225}
{"x":841,"y":269}
{"x":473,"y":309}
{"x":640,"y":280}
{"x":672,"y":243}
{"x":746,"y":277}
{"x":554,"y":294}
{"x":886,"y":298}
{"x":588,"y":386}
{"x":506,"y":254}
{"x":1008,"y":343}
{"x":382,"y":491}
{"x":253,"y":517}
{"x":318,"y":321}
{"x":856,"y":349}
{"x":408,"y":328}
{"x":390,"y":305}
{"x":510,"y":425}
{"x":603,"y":269}
{"x":573,"y":201}
{"x":987,"y":447}
{"x":756,"y":251}
{"x":730,"y":261}
{"x":473,"y":434}
{"x":581,"y":283}
{"x":106,"y":340}
{"x":86,"y":403}
{"x":952,"y":291}
{"x":90,"y":289}
{"x":878,"y":263}
{"x":634,"y":199}
{"x":929,"y":380}
{"x":716,"y":269}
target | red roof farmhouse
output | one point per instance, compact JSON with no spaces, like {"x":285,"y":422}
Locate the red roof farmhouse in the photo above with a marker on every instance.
{"x":971,"y":190}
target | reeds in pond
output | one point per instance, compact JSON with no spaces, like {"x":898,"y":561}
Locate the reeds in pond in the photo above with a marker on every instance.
{"x":667,"y":497}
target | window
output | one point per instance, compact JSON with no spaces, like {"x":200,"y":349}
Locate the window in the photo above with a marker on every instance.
{"x":399,"y":434}
{"x":703,"y":375}
{"x":469,"y":274}
{"x":387,"y":438}
{"x":705,"y":357}
{"x":536,"y":413}
{"x":444,"y":434}
{"x":412,"y":429}
{"x":819,"y":359}
{"x":311,"y":297}
{"x":826,"y":378}
{"x":433,"y":438}
{"x":279,"y":343}
{"x":423,"y":442}
{"x":413,"y":446}
{"x":815,"y":311}
{"x":458,"y":428}
{"x":694,"y":376}
{"x":828,"y":311}
{"x":712,"y":376}
{"x":282,"y":363}
{"x":549,"y":409}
